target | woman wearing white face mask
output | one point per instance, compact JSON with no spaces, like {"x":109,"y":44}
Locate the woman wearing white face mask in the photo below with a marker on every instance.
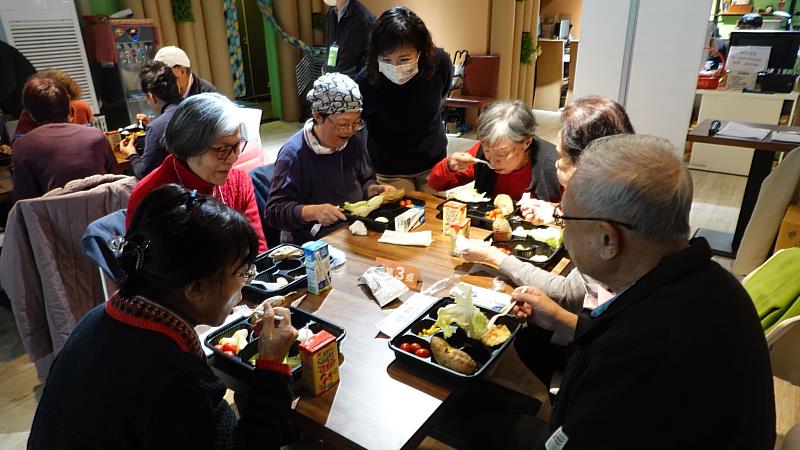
{"x":403,"y":86}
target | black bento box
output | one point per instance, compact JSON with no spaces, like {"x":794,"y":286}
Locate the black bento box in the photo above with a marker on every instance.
{"x":526,"y":248}
{"x":236,"y":371}
{"x":484,"y":356}
{"x":388,"y":210}
{"x":270,"y":270}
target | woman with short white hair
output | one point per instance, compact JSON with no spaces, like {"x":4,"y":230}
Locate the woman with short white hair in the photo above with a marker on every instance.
{"x":205,"y":137}
{"x":520,"y":162}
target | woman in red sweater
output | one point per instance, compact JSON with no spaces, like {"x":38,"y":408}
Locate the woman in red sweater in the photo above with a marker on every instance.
{"x":205,"y":138}
{"x":522,"y":162}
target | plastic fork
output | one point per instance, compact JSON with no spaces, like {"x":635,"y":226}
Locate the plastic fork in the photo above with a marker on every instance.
{"x":506,"y":309}
{"x":246,"y":311}
{"x":476,"y":160}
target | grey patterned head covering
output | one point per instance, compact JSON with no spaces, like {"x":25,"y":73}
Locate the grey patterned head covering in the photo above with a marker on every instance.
{"x":334,"y":93}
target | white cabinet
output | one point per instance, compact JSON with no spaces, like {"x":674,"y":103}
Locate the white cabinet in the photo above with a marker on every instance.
{"x":741,"y":107}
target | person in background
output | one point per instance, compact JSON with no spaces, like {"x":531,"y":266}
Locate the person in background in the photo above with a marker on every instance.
{"x":133,"y":375}
{"x":323,"y":165}
{"x":189,"y":83}
{"x":752,"y":21}
{"x":522,"y":162}
{"x":404,"y":83}
{"x":681,"y":327}
{"x":347,"y":26}
{"x":14,"y":73}
{"x":161,"y":91}
{"x":56,"y":152}
{"x":205,"y":138}
{"x":79,"y":111}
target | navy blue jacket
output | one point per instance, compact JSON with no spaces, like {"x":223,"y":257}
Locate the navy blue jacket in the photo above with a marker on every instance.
{"x":154,"y":149}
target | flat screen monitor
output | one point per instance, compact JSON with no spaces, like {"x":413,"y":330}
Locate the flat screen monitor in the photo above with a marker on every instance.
{"x":784,"y":45}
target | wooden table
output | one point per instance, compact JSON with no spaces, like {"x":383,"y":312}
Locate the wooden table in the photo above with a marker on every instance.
{"x":379,"y":403}
{"x":727,"y":244}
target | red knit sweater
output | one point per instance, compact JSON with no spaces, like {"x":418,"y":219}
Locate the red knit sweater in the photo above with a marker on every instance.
{"x":237,"y":191}
{"x":513,"y":184}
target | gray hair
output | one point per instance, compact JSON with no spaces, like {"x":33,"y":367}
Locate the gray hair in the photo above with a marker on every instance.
{"x":198,"y":120}
{"x":506,"y":119}
{"x":635,"y":179}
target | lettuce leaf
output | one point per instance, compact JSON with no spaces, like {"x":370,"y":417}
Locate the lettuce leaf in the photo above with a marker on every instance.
{"x":551,"y":236}
{"x":463,"y":313}
{"x":364,"y":207}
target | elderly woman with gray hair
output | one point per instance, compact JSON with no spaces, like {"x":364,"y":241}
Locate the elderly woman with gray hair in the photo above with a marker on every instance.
{"x":522,"y":162}
{"x":323,"y":165}
{"x":205,"y":137}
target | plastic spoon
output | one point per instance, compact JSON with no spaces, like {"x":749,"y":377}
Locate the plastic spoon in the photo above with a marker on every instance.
{"x":476,"y":160}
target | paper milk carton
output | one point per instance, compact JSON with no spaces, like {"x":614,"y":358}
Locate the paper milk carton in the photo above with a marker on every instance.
{"x":318,"y":266}
{"x":319,"y":356}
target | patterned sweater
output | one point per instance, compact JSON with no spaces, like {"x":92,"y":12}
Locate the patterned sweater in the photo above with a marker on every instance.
{"x":133,"y":376}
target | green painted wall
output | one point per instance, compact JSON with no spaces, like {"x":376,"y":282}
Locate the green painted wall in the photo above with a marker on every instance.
{"x":104,"y":6}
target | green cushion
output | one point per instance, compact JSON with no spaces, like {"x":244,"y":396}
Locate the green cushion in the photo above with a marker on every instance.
{"x":775,"y":288}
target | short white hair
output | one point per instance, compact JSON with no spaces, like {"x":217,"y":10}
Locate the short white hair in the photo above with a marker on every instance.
{"x":200,"y":119}
{"x":635,"y":179}
{"x":506,"y":119}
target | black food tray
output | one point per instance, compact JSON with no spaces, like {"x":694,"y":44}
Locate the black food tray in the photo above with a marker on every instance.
{"x":532,"y":246}
{"x":269,"y":270}
{"x":388,"y":210}
{"x":476,"y":212}
{"x":236,"y":371}
{"x":484,"y":356}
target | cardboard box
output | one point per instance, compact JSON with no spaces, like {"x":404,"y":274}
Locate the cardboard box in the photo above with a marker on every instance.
{"x":318,"y":266}
{"x":452,"y":212}
{"x":319,"y":357}
{"x":410,"y":219}
{"x":789,"y":234}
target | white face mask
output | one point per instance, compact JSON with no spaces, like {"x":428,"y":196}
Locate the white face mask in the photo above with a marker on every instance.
{"x":330,"y":2}
{"x":398,"y":74}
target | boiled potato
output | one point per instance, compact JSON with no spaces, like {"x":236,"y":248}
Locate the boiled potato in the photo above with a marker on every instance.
{"x":451,"y":357}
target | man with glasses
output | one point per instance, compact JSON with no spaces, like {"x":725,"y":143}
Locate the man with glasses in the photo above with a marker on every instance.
{"x":323,"y":165}
{"x":677,"y":359}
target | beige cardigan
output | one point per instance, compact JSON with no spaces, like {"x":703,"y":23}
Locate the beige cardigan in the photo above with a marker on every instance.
{"x":50,"y":282}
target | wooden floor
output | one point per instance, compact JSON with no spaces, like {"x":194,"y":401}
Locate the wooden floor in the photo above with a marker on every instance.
{"x":715,"y":206}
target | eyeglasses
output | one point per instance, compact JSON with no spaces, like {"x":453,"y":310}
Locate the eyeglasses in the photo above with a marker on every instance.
{"x":358,"y":126}
{"x":224,"y":151}
{"x":249,"y":275}
{"x":559,"y":219}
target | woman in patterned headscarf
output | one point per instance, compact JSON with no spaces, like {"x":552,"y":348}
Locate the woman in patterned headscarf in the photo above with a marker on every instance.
{"x":322,"y":165}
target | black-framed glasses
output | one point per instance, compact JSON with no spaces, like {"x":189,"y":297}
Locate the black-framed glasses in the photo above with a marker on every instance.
{"x":559,"y":219}
{"x":249,"y":275}
{"x":224,"y":151}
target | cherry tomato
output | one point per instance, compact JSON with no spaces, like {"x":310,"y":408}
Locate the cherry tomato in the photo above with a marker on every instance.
{"x":423,"y":353}
{"x":405,"y":346}
{"x":414,"y":347}
{"x":229,"y":353}
{"x":229,"y":347}
{"x":218,"y":347}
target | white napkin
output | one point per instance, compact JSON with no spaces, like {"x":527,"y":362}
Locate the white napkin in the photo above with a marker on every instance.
{"x":358,"y":228}
{"x":418,"y":238}
{"x":466,"y":193}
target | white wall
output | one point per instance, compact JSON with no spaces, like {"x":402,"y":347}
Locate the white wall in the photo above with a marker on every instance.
{"x":664,"y":46}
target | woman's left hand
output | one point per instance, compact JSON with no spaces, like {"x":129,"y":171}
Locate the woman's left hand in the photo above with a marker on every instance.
{"x":376,"y":189}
